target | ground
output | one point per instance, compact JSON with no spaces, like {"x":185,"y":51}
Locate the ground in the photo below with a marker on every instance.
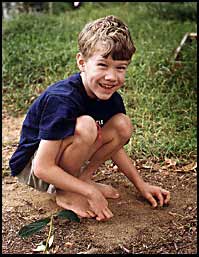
{"x":135,"y":228}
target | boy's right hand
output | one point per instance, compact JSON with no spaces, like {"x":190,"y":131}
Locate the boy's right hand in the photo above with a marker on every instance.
{"x":99,"y":205}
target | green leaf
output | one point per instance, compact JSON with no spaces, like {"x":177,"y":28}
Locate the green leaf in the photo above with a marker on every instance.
{"x":68,"y":214}
{"x":33,"y":227}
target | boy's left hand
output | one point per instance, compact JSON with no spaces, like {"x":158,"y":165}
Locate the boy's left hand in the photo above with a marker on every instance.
{"x":151,"y":193}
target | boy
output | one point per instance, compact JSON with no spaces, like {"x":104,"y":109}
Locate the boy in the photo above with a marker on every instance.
{"x":78,"y":123}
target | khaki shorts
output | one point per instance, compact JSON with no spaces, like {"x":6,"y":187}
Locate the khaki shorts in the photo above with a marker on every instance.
{"x":27,"y":176}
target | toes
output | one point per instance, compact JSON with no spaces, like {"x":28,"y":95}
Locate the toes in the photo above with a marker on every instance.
{"x":90,"y":214}
{"x":117,"y":195}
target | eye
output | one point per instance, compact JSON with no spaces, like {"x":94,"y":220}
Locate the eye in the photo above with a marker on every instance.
{"x":121,"y":67}
{"x":102,"y":64}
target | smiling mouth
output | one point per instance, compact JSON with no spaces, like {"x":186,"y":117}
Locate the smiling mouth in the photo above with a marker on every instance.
{"x":106,"y":86}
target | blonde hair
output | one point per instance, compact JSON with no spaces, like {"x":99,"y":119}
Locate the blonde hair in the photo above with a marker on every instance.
{"x":110,"y":34}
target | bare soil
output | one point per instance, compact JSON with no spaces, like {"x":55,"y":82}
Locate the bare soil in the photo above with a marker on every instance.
{"x":135,"y":228}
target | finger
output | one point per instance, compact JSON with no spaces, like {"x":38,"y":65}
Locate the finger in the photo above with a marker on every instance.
{"x":167,"y":195}
{"x":152,"y":200}
{"x":160,"y":197}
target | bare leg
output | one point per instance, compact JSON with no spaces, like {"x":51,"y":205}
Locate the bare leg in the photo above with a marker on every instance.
{"x":114,"y":135}
{"x":73,"y":152}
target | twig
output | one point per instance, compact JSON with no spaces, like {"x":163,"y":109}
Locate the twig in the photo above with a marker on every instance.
{"x":184,"y":245}
{"x":168,"y":243}
{"x":124,"y":248}
{"x":183,"y":41}
{"x":175,"y":245}
{"x":49,"y":233}
{"x":175,"y":214}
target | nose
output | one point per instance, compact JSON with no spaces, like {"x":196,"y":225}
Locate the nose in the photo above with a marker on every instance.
{"x":110,"y":75}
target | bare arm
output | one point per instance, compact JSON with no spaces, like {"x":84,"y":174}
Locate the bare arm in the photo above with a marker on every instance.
{"x":124,"y":162}
{"x":125,"y":165}
{"x":47,"y":170}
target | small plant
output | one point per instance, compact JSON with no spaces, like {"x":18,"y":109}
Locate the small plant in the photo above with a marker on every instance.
{"x":30,"y":229}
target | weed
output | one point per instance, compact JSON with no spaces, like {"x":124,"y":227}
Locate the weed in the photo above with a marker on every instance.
{"x":36,"y":226}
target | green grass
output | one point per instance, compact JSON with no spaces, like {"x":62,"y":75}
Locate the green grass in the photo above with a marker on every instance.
{"x":160,"y":99}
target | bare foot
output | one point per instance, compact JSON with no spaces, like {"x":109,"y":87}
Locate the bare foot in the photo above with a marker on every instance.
{"x":74,"y":202}
{"x":107,"y":190}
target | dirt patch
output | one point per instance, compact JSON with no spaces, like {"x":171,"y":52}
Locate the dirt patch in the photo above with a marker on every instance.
{"x":135,"y":228}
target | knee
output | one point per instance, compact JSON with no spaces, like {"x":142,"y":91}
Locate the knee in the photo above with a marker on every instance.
{"x":86,"y":129}
{"x":123,"y":126}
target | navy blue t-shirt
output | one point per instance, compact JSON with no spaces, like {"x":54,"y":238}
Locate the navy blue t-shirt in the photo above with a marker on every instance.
{"x":52,"y":116}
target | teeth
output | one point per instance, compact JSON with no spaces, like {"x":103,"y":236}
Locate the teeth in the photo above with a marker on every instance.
{"x":104,"y":86}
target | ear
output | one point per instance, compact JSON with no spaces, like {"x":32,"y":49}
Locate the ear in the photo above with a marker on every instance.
{"x":80,"y":61}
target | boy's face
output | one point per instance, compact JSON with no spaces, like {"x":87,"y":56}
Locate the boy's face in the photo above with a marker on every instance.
{"x":101,"y":76}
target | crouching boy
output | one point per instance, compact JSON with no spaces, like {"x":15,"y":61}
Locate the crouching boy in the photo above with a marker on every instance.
{"x":78,"y":123}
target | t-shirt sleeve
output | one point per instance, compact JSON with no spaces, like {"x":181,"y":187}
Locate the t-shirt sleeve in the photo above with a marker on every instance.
{"x":122,"y":106}
{"x":118,"y":104}
{"x":58,"y":118}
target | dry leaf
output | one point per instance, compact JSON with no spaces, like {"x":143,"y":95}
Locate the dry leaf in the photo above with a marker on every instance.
{"x":40,"y":247}
{"x":68,"y":244}
{"x":50,"y":242}
{"x":152,"y":166}
{"x":189,"y":167}
{"x":115,"y":168}
{"x":156,"y":167}
{"x":170,"y":162}
{"x":164,"y":167}
{"x":147,"y":166}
